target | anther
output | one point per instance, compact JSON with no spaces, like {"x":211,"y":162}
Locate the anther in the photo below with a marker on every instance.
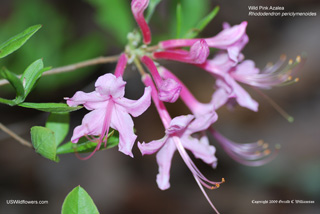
{"x":283,"y":57}
{"x":290,"y":62}
{"x":296,"y":79}
{"x":266,"y":152}
{"x":265,"y":146}
{"x":298,"y":59}
{"x":260,"y":142}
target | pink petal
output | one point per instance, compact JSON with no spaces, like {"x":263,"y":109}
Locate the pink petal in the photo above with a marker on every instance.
{"x":219,"y":98}
{"x":242,"y":97}
{"x":91,"y":125}
{"x":136,"y":107}
{"x":199,"y":52}
{"x":179,"y":123}
{"x":202,"y":122}
{"x":169,"y":90}
{"x":164,"y":158}
{"x":110,"y":86}
{"x":201,"y":149}
{"x":152,"y":147}
{"x":92,"y":100}
{"x":122,"y":122}
{"x":228,"y":36}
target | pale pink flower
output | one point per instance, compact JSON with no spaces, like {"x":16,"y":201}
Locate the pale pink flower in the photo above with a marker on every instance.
{"x":179,"y":136}
{"x":109,"y":108}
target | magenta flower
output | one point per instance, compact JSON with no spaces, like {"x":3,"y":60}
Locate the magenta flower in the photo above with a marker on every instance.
{"x":168,"y":88}
{"x":233,"y":39}
{"x":138,"y":7}
{"x":199,"y":52}
{"x":109,"y":108}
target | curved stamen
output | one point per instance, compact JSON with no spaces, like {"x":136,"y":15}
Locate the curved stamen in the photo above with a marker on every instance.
{"x":272,"y":75}
{"x":251,"y":154}
{"x":193,"y":168}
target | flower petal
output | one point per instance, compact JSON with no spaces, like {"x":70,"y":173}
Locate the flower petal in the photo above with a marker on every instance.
{"x":91,"y":125}
{"x":242,"y":97}
{"x":110,"y":86}
{"x":136,"y":107}
{"x":90,"y":101}
{"x":228,"y":36}
{"x":164,"y":158}
{"x":202,"y":122}
{"x":122,"y":122}
{"x":201,"y":149}
{"x":151,"y":147}
{"x":179,"y":123}
{"x":169,"y":90}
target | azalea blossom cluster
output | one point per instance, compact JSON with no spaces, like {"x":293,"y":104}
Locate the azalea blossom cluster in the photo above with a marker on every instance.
{"x":109,"y":108}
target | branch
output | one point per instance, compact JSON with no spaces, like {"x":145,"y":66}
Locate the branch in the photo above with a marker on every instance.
{"x":72,"y":67}
{"x":15,"y":136}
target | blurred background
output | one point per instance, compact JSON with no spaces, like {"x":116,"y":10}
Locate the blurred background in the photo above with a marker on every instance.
{"x":77,"y":30}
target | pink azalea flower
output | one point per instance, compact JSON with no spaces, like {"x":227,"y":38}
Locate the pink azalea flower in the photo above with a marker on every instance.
{"x":168,"y":88}
{"x":199,"y":52}
{"x":222,"y":67}
{"x":233,"y":39}
{"x":109,"y":108}
{"x":138,"y":7}
{"x":178,"y":136}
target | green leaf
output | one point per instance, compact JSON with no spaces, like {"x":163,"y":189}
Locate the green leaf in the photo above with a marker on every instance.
{"x":43,"y":140}
{"x":16,"y":84}
{"x":32,"y":74}
{"x":78,"y":201}
{"x":179,"y":20}
{"x":202,"y":24}
{"x":192,"y":12}
{"x":59,"y":124}
{"x":151,"y":8}
{"x":84,"y":145}
{"x":17,"y":41}
{"x":50,"y":107}
{"x":114,"y":16}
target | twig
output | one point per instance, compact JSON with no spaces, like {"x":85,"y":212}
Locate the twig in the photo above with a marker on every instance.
{"x":72,"y":67}
{"x":15,"y":136}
